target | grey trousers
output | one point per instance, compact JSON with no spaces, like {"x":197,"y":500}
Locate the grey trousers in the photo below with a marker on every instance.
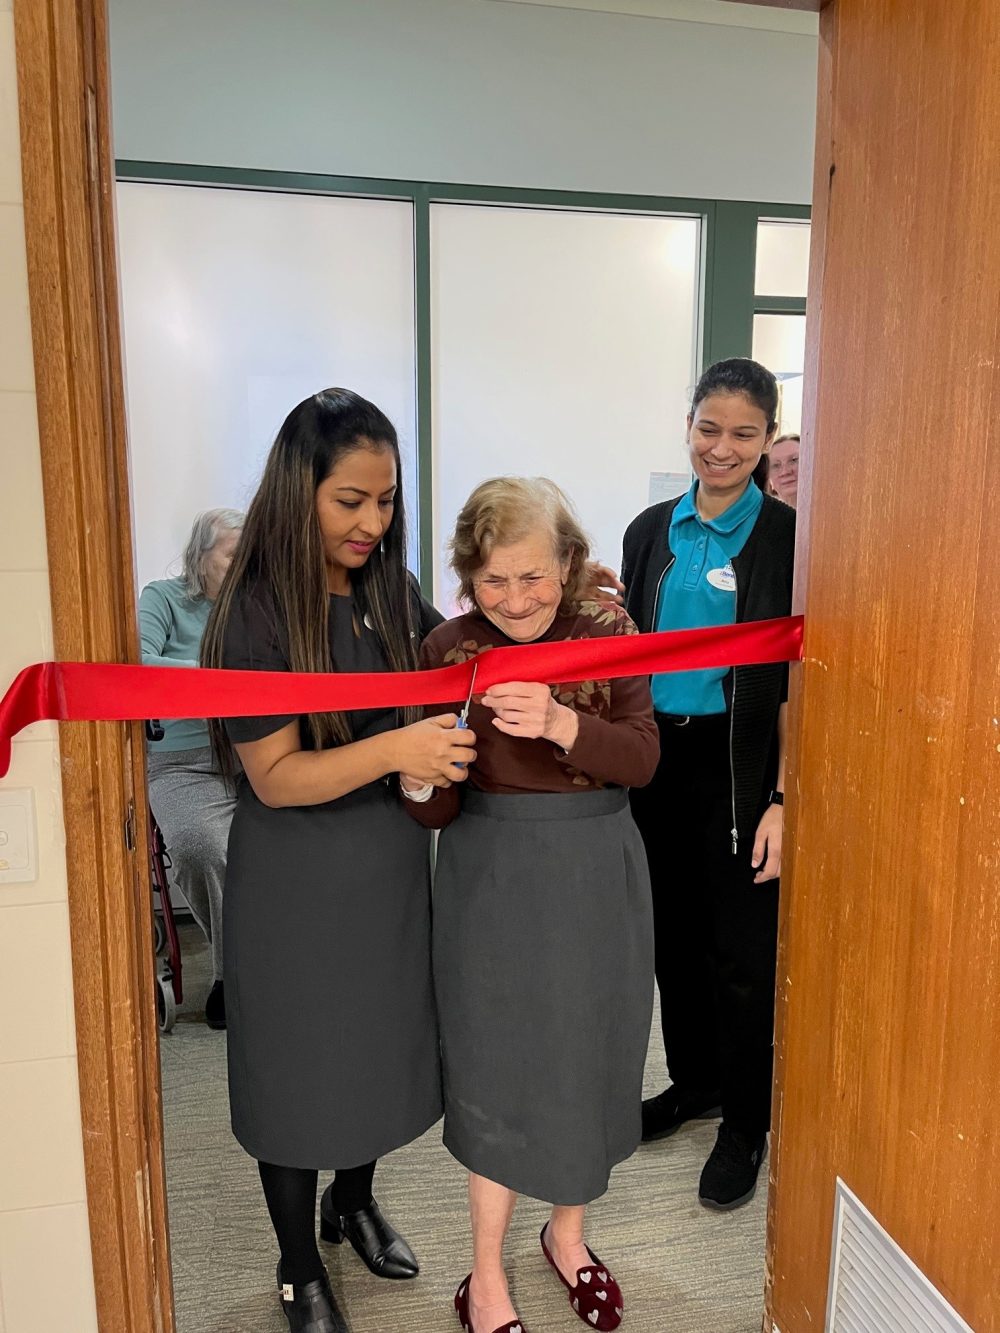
{"x":194,"y":808}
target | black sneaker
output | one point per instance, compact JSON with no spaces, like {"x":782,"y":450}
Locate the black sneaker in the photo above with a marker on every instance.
{"x":729,"y":1177}
{"x":664,"y":1115}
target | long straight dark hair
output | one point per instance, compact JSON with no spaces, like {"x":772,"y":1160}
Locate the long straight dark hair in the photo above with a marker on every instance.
{"x":279,"y":561}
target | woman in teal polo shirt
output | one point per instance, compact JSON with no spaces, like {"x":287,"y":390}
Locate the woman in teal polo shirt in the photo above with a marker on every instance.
{"x":711,"y":819}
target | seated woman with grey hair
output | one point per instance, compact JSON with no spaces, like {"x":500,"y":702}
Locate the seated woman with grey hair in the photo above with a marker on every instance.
{"x":189,"y":798}
{"x":543,"y":932}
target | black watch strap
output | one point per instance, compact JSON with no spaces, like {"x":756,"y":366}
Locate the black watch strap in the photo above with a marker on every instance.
{"x":776,"y":798}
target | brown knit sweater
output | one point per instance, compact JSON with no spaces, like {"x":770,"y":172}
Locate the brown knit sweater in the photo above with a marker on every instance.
{"x":617,"y":743}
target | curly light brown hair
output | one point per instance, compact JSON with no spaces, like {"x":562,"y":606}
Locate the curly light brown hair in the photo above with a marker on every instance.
{"x":505,"y":510}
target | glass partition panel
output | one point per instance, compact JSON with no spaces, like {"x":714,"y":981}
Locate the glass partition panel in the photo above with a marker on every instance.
{"x":782,"y":259}
{"x":779,"y":342}
{"x":564,"y":345}
{"x":237,"y":305}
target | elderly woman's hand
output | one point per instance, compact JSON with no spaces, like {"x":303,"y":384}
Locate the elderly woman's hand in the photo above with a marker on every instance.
{"x":528,"y":709}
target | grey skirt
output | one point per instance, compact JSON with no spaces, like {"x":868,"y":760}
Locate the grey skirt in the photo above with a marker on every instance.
{"x":543,"y":970}
{"x":333,"y":1041}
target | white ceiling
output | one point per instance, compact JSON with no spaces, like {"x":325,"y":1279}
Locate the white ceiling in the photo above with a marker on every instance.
{"x":694,"y":11}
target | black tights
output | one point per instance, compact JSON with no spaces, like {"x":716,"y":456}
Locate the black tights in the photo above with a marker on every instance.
{"x":290,"y":1192}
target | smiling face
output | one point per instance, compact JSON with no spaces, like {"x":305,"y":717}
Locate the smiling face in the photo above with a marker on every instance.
{"x":783,"y":470}
{"x":727,"y":433}
{"x":354,"y":506}
{"x":520,"y":586}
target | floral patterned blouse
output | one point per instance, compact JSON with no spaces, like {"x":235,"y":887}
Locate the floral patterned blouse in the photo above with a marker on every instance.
{"x":617,"y":743}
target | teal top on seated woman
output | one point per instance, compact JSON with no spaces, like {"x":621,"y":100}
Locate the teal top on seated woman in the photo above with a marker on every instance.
{"x":171,"y":625}
{"x":699,"y":589}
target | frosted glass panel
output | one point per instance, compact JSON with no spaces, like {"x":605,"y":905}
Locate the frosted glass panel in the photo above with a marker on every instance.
{"x":237,"y":305}
{"x":564,"y":346}
{"x":779,"y":342}
{"x":782,"y":259}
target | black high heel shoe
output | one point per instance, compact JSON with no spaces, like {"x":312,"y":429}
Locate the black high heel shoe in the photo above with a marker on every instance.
{"x":374,"y":1240}
{"x":311,"y":1308}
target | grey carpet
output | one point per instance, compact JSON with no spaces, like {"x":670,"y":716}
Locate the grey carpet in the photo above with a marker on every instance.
{"x":683,"y":1269}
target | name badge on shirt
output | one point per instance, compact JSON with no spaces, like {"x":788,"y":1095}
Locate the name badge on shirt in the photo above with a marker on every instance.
{"x":723,"y":579}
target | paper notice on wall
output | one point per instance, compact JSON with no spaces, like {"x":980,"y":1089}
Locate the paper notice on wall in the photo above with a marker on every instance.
{"x":667,"y":485}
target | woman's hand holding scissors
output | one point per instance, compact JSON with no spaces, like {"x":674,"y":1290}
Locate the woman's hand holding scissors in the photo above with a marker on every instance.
{"x":435,"y":751}
{"x":457,"y":760}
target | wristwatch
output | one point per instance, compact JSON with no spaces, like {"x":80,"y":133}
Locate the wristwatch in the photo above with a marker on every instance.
{"x":776,"y":798}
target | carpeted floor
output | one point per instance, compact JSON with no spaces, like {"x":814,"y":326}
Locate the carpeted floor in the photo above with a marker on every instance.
{"x":682,"y":1268}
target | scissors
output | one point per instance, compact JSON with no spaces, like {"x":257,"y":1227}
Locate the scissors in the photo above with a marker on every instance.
{"x":463,"y":718}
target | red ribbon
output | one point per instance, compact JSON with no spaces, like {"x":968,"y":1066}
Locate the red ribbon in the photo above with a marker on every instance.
{"x":111,"y":692}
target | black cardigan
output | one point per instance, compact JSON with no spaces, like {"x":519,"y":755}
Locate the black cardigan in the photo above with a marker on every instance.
{"x":763,"y":592}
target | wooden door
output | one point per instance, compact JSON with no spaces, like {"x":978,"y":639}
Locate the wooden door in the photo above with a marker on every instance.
{"x":889,"y":981}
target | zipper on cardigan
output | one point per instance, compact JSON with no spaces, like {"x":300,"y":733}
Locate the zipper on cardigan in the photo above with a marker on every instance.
{"x":659,"y":586}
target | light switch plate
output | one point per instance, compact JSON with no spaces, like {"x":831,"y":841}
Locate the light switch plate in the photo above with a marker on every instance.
{"x":18,"y":842}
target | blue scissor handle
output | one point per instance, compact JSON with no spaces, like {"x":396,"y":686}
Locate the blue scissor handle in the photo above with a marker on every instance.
{"x":461,"y":725}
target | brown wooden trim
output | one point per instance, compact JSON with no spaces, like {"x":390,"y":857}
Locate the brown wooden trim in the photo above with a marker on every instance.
{"x":889,"y":1040}
{"x":799,"y":682}
{"x":68,"y":170}
{"x":823,"y":176}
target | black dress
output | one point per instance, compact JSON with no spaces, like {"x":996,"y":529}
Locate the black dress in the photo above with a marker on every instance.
{"x":333,"y":1040}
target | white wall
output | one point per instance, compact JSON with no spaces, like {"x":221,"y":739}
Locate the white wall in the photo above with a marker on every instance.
{"x":46,"y":1279}
{"x":237,"y":305}
{"x":470,"y":91}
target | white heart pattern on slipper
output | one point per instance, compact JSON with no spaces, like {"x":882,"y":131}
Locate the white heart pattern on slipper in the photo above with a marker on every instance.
{"x":584,"y":1275}
{"x":601,"y":1295}
{"x":593,"y":1316}
{"x":603,"y":1277}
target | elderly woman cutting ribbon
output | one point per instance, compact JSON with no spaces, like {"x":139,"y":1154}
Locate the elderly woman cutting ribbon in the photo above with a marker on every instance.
{"x":543,"y":960}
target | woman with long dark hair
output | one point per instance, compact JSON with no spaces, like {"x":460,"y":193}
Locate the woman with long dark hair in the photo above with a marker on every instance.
{"x":711,"y":819}
{"x":333,"y":1041}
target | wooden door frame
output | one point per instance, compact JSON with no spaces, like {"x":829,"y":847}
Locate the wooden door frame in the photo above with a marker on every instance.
{"x":68,"y":174}
{"x":69,"y":179}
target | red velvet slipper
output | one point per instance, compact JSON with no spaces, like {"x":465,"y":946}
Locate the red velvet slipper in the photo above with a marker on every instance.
{"x":462,"y":1310}
{"x":596,"y":1297}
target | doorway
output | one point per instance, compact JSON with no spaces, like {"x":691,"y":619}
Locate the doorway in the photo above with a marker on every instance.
{"x":115,"y":1025}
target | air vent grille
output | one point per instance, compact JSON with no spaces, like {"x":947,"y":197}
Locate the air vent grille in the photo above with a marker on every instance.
{"x":874,"y":1286}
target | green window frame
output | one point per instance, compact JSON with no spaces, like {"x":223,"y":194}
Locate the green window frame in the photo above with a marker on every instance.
{"x":728,"y":256}
{"x":731,"y":301}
